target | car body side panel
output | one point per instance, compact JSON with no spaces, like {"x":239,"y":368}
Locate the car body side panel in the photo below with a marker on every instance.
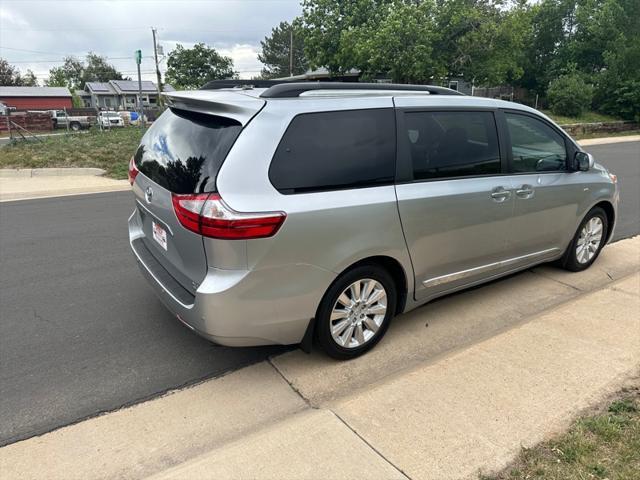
{"x":330,"y":230}
{"x":544,"y":219}
{"x":601,"y":189}
{"x":550,"y":217}
{"x":453,"y":226}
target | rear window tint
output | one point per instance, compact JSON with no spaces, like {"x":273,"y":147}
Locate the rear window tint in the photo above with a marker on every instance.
{"x":183,"y":151}
{"x":335,"y":150}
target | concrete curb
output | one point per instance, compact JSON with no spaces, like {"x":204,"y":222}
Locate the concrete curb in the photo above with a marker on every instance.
{"x":607,"y":140}
{"x":14,"y":197}
{"x":50,"y":172}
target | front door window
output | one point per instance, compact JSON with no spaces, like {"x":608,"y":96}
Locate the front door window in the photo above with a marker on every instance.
{"x":535,"y":146}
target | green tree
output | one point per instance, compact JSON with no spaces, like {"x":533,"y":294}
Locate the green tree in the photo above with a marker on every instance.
{"x":76,"y":100}
{"x":398,"y":43}
{"x":570,"y":95}
{"x":331,"y":26}
{"x":8,"y":73}
{"x":618,"y":84}
{"x":29,"y":79}
{"x":606,"y":46}
{"x":10,"y":76}
{"x":72,"y":72}
{"x":75,"y":73}
{"x":57,"y":78}
{"x":276,"y":50}
{"x":549,"y":27}
{"x":481,"y":40}
{"x":417,"y":41}
{"x":97,"y":69}
{"x":191,"y":68}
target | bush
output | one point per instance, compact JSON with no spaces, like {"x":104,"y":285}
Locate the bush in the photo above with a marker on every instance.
{"x":569,"y":95}
{"x":621,"y":98}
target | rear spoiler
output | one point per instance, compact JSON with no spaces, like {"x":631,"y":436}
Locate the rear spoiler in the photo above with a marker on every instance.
{"x":237,"y":106}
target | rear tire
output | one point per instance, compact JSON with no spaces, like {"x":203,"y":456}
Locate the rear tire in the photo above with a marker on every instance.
{"x":588,"y":241}
{"x":355,"y":312}
{"x":75,"y":127}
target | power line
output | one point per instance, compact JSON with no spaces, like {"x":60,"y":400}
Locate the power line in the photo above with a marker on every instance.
{"x":63,"y":61}
{"x":170,"y":29}
{"x":31,"y":51}
{"x":125,"y":72}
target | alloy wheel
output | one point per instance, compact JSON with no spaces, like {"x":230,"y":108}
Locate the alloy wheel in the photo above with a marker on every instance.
{"x":358,"y":313}
{"x":589,"y":240}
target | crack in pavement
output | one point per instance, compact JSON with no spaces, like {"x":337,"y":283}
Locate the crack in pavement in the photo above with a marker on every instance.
{"x":298,"y":392}
{"x":369,"y":445}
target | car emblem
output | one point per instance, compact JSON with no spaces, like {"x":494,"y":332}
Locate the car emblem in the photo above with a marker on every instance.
{"x":148,"y":194}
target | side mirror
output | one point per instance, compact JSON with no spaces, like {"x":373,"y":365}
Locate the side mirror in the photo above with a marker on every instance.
{"x":584,"y":161}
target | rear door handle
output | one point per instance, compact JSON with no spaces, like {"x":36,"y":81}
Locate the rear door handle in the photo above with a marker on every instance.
{"x":499,"y":194}
{"x":525,"y":191}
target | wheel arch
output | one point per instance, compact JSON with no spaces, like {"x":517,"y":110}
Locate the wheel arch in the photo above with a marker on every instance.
{"x":395,"y":269}
{"x":611,"y":216}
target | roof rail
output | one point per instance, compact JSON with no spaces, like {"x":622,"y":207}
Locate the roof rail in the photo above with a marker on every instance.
{"x":218,"y":84}
{"x":289,"y":90}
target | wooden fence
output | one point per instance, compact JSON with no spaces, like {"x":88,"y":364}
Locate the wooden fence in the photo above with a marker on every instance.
{"x":31,"y":121}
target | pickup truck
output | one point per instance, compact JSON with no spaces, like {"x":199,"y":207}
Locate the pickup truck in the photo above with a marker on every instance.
{"x":61,"y":120}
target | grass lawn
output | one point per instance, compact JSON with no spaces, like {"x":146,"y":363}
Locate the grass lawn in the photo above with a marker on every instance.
{"x":602,"y":445}
{"x":109,"y":150}
{"x":587,"y":117}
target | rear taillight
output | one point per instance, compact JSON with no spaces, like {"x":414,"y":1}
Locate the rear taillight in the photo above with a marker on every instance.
{"x":133,"y":171}
{"x":208,"y":215}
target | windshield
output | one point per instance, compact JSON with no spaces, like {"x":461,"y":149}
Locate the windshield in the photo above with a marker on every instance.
{"x":183,"y":151}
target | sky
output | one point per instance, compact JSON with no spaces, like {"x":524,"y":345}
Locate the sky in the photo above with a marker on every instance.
{"x":37,"y":34}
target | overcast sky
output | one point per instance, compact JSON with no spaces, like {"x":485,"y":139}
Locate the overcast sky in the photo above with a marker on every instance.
{"x":37,"y":34}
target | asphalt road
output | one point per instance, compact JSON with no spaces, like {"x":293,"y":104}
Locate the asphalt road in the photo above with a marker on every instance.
{"x":82,"y":333}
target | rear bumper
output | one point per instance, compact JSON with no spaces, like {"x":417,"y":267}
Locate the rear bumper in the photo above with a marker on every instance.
{"x":239,"y":307}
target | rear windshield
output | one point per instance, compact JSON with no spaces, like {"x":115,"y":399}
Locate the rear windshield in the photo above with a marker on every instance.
{"x":183,"y":151}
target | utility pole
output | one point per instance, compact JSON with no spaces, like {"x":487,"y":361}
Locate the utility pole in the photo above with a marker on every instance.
{"x":158,"y":75}
{"x":140,"y":106}
{"x":291,"y":51}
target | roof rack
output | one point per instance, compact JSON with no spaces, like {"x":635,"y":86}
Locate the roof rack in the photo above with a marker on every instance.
{"x":218,"y":84}
{"x":291,"y":89}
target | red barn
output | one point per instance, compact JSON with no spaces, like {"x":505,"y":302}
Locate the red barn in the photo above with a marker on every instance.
{"x":36,"y":98}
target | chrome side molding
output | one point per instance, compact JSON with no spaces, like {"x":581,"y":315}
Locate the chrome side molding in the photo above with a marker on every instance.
{"x":452,"y":277}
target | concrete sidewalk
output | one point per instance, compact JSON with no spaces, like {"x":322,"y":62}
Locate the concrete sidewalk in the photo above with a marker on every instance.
{"x":546,"y":344}
{"x":607,"y":140}
{"x":25,"y":184}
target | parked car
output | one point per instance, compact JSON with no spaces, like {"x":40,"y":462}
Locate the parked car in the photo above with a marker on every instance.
{"x":110,"y":119}
{"x":302,"y":211}
{"x":75,"y":122}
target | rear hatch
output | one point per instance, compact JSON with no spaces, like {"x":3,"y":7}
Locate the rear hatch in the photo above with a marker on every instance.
{"x":181,"y":153}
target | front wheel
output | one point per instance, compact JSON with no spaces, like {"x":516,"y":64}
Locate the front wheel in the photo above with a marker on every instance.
{"x":355,"y":312}
{"x":587,"y":242}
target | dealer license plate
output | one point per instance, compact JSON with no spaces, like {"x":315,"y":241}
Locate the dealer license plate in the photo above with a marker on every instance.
{"x":160,"y":235}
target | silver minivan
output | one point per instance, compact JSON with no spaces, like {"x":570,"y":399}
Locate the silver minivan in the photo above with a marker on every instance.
{"x":294,"y":212}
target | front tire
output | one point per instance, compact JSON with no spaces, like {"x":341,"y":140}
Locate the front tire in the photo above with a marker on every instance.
{"x":588,"y":241}
{"x":355,"y":312}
